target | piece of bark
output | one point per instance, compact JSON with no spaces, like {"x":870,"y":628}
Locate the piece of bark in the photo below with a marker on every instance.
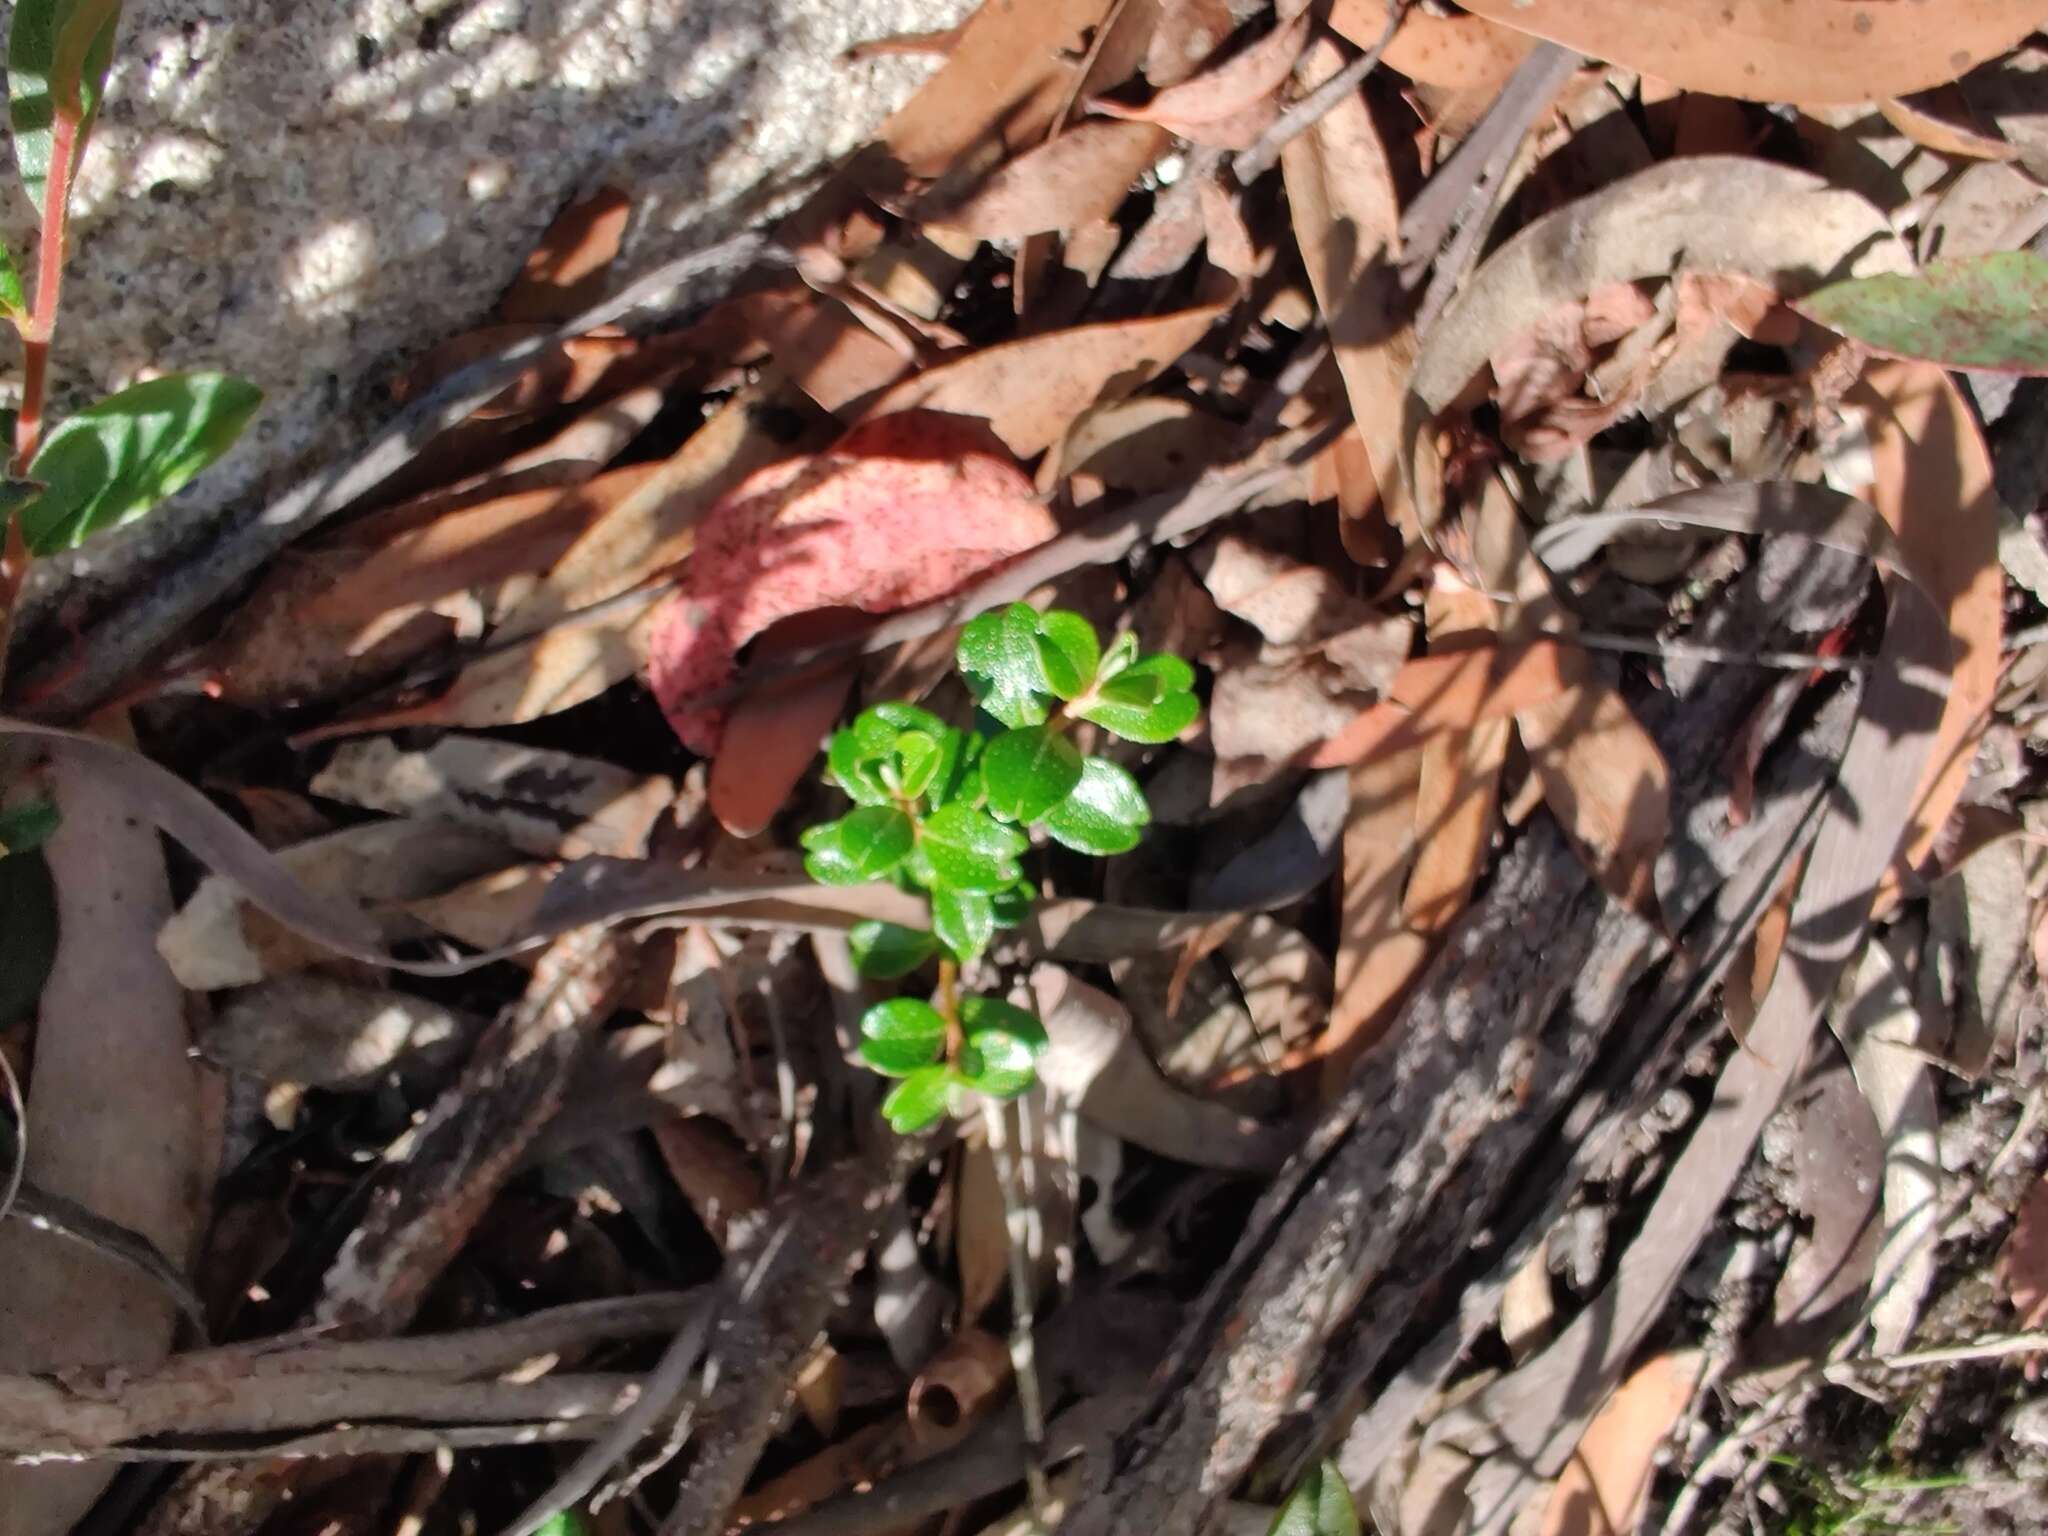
{"x":780,"y":1284}
{"x":1437,"y":1130}
{"x":454,"y":1163}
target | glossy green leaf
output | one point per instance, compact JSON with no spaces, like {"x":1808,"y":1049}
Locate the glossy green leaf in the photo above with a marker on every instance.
{"x":1988,"y":311}
{"x":42,"y":30}
{"x":1012,"y":904}
{"x":13,"y":301}
{"x":865,"y":844}
{"x":855,"y":770}
{"x":28,"y":932}
{"x":885,"y":951}
{"x":901,"y":1035}
{"x":1321,"y":1506}
{"x":868,"y":759}
{"x":1148,"y":701}
{"x":1068,"y":652}
{"x":910,"y":769}
{"x":999,"y":658}
{"x":958,"y":776}
{"x":966,"y":848}
{"x":1123,"y":650}
{"x":570,"y":1522}
{"x":25,"y":827}
{"x":1026,"y":773}
{"x":921,"y":1099}
{"x":964,"y":920}
{"x":1105,"y":814}
{"x":113,"y":461}
{"x":1003,"y":1046}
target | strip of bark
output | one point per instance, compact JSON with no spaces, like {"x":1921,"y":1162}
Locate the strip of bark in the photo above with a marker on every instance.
{"x":1429,"y":1145}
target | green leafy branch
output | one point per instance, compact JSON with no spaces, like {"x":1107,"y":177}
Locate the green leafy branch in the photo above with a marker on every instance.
{"x":113,"y":461}
{"x":949,"y":813}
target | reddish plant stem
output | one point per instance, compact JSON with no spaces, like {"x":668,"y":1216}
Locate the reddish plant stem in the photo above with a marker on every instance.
{"x":42,"y":321}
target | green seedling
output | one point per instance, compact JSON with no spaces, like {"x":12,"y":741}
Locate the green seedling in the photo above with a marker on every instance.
{"x":950,"y":814}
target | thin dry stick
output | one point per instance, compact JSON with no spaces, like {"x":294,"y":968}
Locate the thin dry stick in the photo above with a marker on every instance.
{"x":1023,"y":1351}
{"x":658,"y":1392}
{"x":1997,"y":1347}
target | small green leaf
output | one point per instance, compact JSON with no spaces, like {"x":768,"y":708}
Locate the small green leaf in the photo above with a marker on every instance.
{"x":570,"y":1522}
{"x":1123,"y":650}
{"x":1148,"y":701}
{"x":853,"y":771}
{"x":28,"y":932}
{"x":865,"y":757}
{"x":1026,"y":773}
{"x":115,"y":460}
{"x":916,"y":760}
{"x":1068,"y":652}
{"x":958,"y":776}
{"x":999,"y":658}
{"x":964,"y":920}
{"x":963,"y":847}
{"x":885,"y":951}
{"x":1003,"y":1046}
{"x":13,"y":301}
{"x":1012,"y":904}
{"x":1321,"y":1506}
{"x":33,"y":89}
{"x":864,"y":844}
{"x":1988,"y":311}
{"x":921,"y":1099}
{"x":25,"y":827}
{"x":901,"y":1035}
{"x":1104,"y":815}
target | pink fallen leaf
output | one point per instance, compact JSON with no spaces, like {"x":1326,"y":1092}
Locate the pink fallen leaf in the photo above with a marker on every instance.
{"x":902,"y":509}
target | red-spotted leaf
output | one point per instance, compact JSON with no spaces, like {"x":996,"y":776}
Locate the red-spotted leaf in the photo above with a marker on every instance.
{"x":902,"y":509}
{"x":1988,"y":311}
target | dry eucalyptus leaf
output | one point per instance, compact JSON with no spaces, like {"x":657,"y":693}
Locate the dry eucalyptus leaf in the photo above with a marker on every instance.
{"x":553,"y":805}
{"x":1603,"y":1486}
{"x":2022,"y":1266}
{"x":1031,"y":390}
{"x":1347,"y":215}
{"x":326,"y":1033}
{"x":1228,"y":105}
{"x":1074,"y":179}
{"x":1780,"y":50}
{"x":218,"y":940}
{"x":564,"y":274}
